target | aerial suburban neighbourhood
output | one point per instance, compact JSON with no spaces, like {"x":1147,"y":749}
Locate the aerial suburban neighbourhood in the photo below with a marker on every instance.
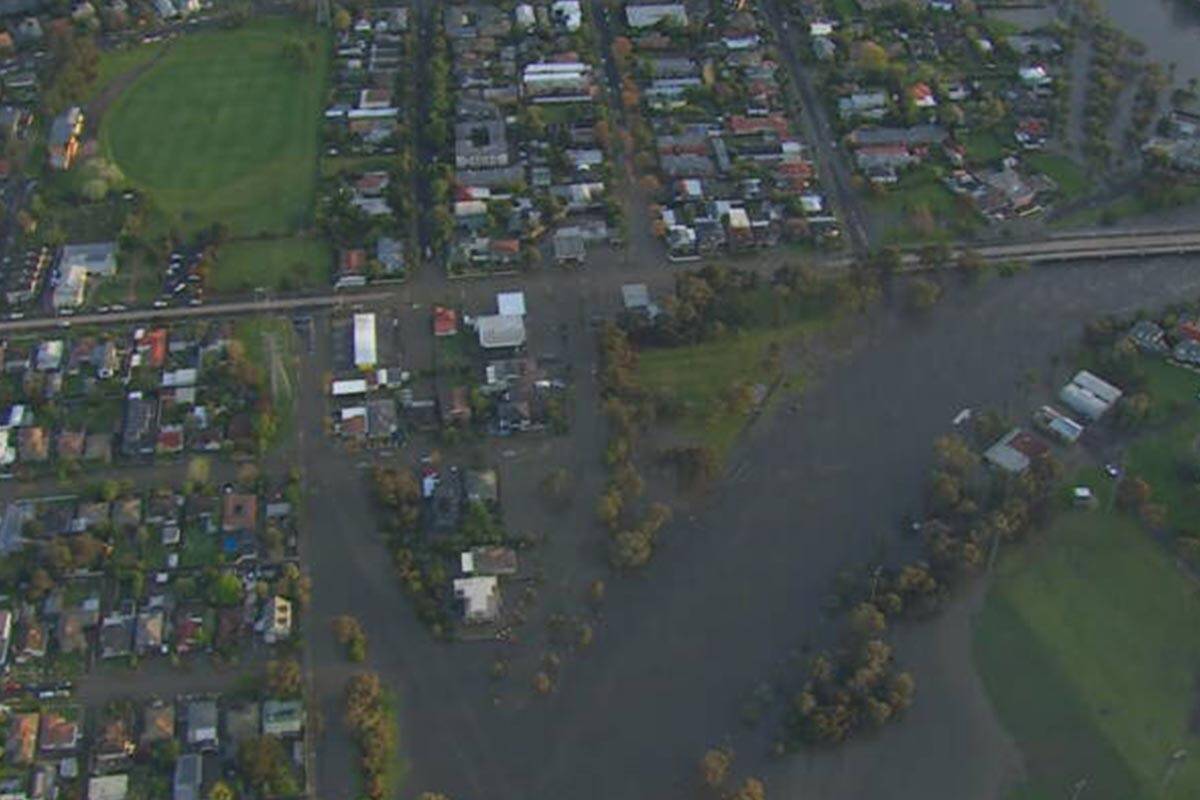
{"x":597,"y":399}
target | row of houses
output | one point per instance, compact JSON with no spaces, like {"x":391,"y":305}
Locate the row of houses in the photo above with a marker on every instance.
{"x":529,"y":137}
{"x":55,"y":750}
{"x":150,"y":391}
{"x":732,"y":172}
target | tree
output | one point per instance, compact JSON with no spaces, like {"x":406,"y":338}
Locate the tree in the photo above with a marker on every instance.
{"x":225,"y":590}
{"x":264,"y":765}
{"x":341,"y":19}
{"x":751,"y":789}
{"x":923,"y":294}
{"x":284,"y":678}
{"x":1132,"y":493}
{"x":221,"y":791}
{"x":714,"y":767}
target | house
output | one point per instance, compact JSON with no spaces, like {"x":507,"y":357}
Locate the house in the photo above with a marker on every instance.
{"x":922,"y":96}
{"x":489,"y":561}
{"x":113,"y":741}
{"x":569,"y":247}
{"x":282,"y":717}
{"x":108,"y":787}
{"x":21,"y":745}
{"x":189,"y":777}
{"x":33,"y":643}
{"x":148,"y":635}
{"x":1090,"y":395}
{"x":497,"y":331}
{"x":365,"y":356}
{"x":1015,"y":451}
{"x":116,"y":636}
{"x":278,"y":619}
{"x":33,"y":445}
{"x":58,"y":734}
{"x":63,"y":141}
{"x":649,"y":14}
{"x":202,"y":723}
{"x":99,"y":259}
{"x":390,"y":255}
{"x":480,"y":596}
{"x":239,"y":512}
{"x":864,"y":105}
{"x":1148,"y":336}
{"x":445,"y":321}
{"x":6,"y":619}
{"x":352,"y":266}
{"x":139,"y":424}
{"x":158,"y":722}
{"x":481,"y":486}
{"x":69,"y":445}
{"x":480,"y":144}
{"x":242,"y":723}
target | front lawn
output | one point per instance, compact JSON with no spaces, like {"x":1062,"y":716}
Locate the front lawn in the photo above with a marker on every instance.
{"x":1072,"y":181}
{"x":224,"y":128}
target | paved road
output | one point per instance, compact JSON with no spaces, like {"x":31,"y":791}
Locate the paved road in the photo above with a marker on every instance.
{"x":820,"y":135}
{"x":429,"y":285}
{"x":233,"y":308}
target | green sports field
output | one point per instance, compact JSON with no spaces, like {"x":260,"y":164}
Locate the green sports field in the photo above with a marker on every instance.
{"x":1089,"y":646}
{"x":225,"y":128}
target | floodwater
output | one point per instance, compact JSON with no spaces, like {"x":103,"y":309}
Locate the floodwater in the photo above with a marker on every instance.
{"x":1170,"y":29}
{"x":737,"y":588}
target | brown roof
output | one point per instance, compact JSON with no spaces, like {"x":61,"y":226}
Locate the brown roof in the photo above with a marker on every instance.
{"x":239,"y":512}
{"x":69,"y":444}
{"x":22,"y":738}
{"x":159,"y":723}
{"x":58,"y":732}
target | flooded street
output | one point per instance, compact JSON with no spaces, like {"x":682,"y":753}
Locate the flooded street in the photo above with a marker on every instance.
{"x":1170,"y":29}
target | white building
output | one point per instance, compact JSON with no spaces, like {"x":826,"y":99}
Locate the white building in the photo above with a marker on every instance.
{"x":481,"y":597}
{"x":364,"y":341}
{"x":500,"y":330}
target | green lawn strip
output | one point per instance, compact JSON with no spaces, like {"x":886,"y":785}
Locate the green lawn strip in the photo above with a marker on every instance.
{"x":1089,"y":646}
{"x":1072,"y":180}
{"x":225,"y":128}
{"x":336,"y":165}
{"x":253,"y":334}
{"x":921,"y":188}
{"x":985,"y":146}
{"x":274,"y":264}
{"x":115,"y":63}
{"x":1038,"y":705}
{"x":701,"y":376}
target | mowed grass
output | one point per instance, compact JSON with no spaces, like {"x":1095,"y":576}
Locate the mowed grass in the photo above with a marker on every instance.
{"x":224,"y":128}
{"x":1089,"y":645}
{"x":700,"y":377}
{"x":279,"y":264}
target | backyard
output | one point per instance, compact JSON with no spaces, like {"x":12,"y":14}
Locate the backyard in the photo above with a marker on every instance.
{"x":224,"y":129}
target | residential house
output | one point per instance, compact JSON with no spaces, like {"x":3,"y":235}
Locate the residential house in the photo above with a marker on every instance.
{"x":189,"y":777}
{"x":63,"y":141}
{"x":282,"y":717}
{"x":21,"y":745}
{"x":202,"y":723}
{"x":480,"y":596}
{"x":58,"y":734}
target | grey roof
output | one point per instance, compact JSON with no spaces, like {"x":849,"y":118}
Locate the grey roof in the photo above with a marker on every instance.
{"x":189,"y":775}
{"x":635,"y":296}
{"x":98,"y":258}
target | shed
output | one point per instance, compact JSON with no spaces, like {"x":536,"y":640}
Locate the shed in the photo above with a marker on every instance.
{"x":364,"y":341}
{"x":511,"y":304}
{"x":500,"y":331}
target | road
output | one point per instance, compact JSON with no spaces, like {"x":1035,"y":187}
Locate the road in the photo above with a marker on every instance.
{"x":429,"y":285}
{"x":831,"y":168}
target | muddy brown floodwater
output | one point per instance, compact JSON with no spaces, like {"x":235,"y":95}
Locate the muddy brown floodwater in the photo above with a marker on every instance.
{"x":736,"y":589}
